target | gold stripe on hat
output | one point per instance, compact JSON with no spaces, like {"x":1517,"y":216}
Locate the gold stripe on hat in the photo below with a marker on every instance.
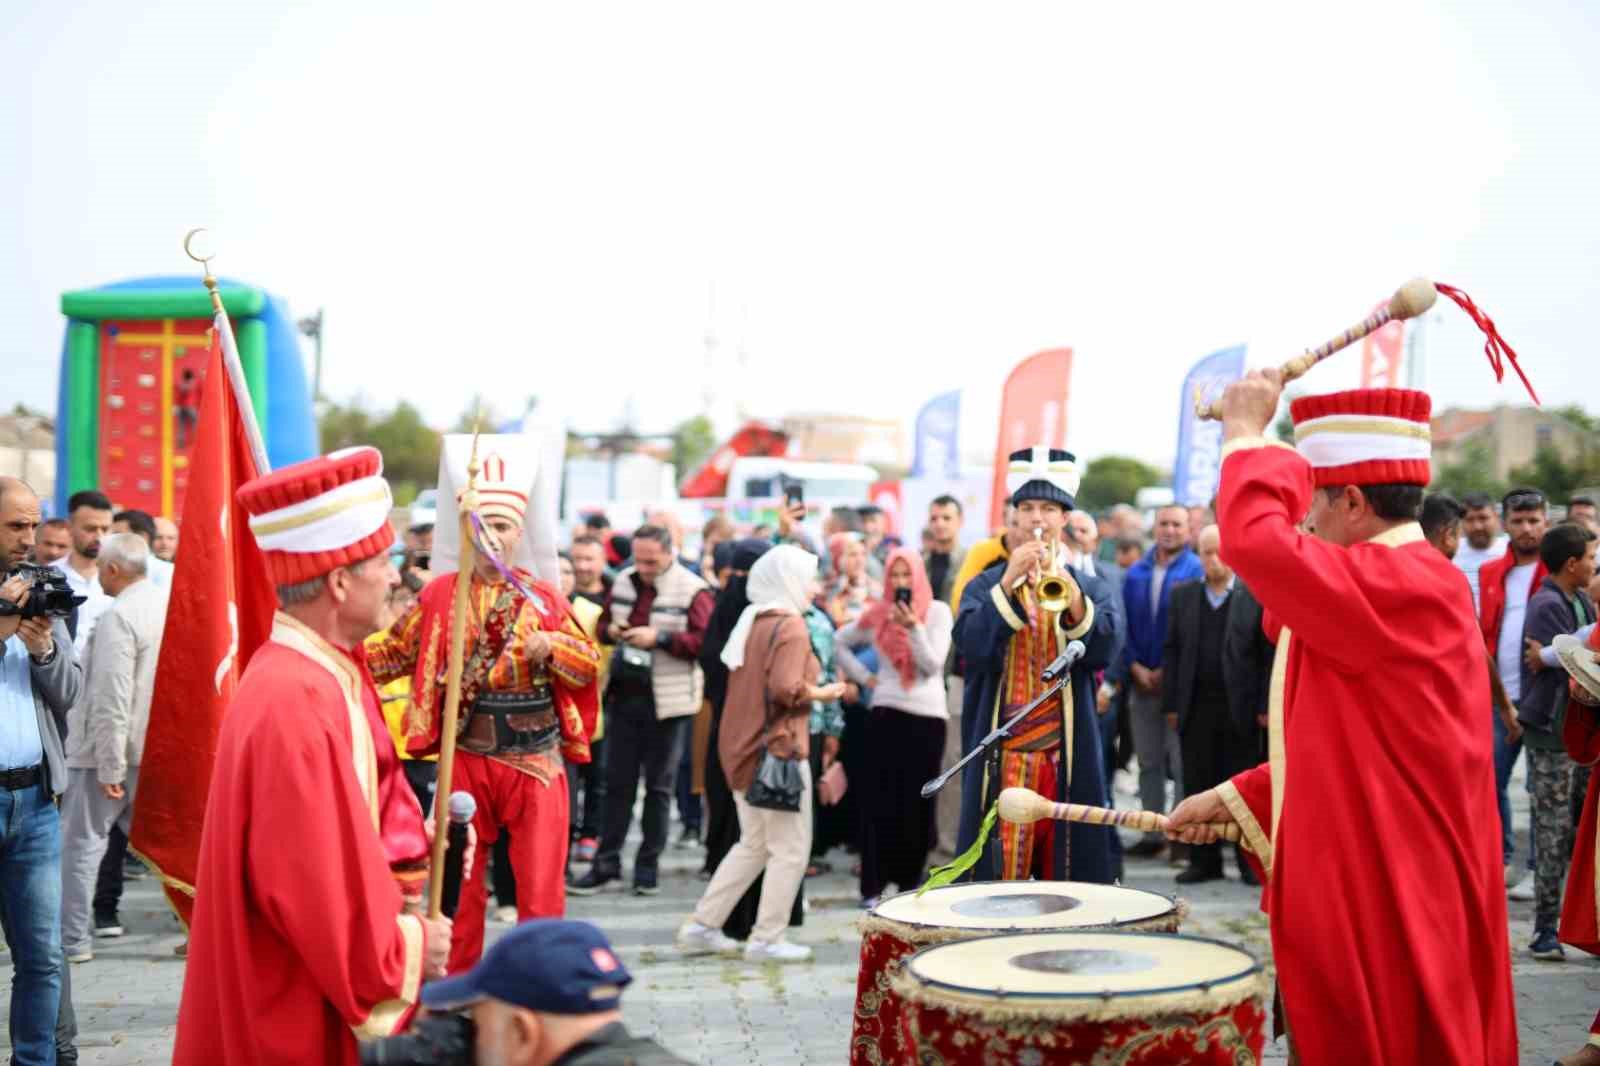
{"x":266,"y":529}
{"x":1414,"y":430}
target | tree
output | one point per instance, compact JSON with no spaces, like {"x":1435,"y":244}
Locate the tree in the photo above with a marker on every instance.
{"x":1473,"y":472}
{"x":1113,"y":479}
{"x":1555,"y":476}
{"x":693,"y":441}
{"x":410,"y":447}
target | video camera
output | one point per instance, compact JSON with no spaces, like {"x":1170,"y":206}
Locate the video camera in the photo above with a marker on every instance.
{"x":49,"y":594}
{"x":435,"y":1040}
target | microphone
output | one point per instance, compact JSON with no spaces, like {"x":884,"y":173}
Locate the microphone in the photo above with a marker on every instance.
{"x":462,"y":808}
{"x":1064,"y":661}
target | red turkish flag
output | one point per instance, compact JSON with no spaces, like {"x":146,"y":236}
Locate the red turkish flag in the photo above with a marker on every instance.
{"x":220,"y":611}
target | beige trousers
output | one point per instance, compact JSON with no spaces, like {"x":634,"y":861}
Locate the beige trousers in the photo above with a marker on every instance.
{"x":778,"y":842}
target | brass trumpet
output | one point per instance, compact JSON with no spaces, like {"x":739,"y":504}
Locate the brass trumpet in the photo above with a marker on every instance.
{"x":1049,"y":587}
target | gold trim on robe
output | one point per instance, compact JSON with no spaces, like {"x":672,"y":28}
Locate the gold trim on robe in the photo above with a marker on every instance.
{"x":299,"y":637}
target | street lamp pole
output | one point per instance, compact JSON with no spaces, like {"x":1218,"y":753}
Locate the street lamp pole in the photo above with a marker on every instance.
{"x":311,"y":326}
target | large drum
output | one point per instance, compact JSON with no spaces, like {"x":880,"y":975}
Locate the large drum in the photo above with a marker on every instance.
{"x":1050,"y":999}
{"x":908,"y":923}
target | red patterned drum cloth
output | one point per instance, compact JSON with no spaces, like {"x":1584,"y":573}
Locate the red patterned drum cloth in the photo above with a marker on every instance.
{"x":1108,"y":999}
{"x":906,"y":924}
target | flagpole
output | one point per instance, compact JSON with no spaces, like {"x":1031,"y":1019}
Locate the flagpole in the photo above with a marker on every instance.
{"x":452,"y":692}
{"x":230,"y":357}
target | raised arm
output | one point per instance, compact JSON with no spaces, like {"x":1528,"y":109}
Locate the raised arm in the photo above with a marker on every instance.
{"x":1320,"y":590}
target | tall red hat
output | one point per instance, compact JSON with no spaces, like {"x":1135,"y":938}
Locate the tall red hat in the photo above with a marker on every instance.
{"x":1366,"y":436}
{"x":314,"y":517}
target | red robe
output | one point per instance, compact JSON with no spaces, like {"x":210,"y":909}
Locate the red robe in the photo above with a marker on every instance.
{"x":1382,"y":882}
{"x":298,"y":944}
{"x":1580,"y":910}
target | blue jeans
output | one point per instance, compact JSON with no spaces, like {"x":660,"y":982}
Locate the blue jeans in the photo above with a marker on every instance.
{"x":1505,"y":757}
{"x":30,"y":896}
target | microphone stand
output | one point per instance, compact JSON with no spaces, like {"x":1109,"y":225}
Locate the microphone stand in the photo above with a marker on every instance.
{"x":996,"y":735}
{"x":989,"y":747}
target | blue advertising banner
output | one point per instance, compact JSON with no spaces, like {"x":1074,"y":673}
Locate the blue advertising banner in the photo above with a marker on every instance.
{"x":937,"y":454}
{"x":1199,"y":462}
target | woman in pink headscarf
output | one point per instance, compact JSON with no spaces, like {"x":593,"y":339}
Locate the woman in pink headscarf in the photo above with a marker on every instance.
{"x":905,"y":735}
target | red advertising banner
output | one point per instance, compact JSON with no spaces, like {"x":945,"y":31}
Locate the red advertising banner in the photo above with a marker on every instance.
{"x":1033,"y":410}
{"x":1381,"y":353}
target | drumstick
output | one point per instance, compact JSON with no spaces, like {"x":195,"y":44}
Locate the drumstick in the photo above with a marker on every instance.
{"x":1408,"y":301}
{"x":1025,"y":805}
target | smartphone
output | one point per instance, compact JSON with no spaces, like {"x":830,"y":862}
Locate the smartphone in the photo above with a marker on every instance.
{"x":903,"y":596}
{"x":795,"y":494}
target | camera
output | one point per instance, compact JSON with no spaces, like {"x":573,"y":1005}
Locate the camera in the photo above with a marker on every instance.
{"x":434,"y":1040}
{"x":49,"y":595}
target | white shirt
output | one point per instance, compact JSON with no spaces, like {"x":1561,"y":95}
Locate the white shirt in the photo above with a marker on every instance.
{"x":1158,"y":578}
{"x":1470,"y":560}
{"x":159,"y":571}
{"x":1508,"y":654}
{"x":930,"y":645}
{"x":97,"y":604}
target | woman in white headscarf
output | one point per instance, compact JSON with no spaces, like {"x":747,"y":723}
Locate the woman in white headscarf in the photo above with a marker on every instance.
{"x":771,"y":685}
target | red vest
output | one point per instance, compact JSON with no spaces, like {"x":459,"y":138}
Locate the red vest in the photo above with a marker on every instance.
{"x":1492,"y":595}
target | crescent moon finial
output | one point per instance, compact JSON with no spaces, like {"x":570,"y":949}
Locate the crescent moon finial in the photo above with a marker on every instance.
{"x":188,"y":246}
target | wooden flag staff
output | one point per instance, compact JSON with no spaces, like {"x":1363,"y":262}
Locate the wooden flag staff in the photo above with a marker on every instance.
{"x":467,"y":507}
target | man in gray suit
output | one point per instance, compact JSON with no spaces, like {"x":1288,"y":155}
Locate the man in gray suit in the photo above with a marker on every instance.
{"x":105,"y":738}
{"x":39,"y":682}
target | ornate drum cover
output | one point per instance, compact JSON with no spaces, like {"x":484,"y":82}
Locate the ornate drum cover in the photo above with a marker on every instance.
{"x":1118,"y":999}
{"x":899,"y":926}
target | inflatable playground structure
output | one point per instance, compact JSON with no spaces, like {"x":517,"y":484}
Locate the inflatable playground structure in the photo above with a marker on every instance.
{"x":133,"y":363}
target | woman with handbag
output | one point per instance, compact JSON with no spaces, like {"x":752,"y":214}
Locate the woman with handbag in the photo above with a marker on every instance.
{"x":763,"y":745}
{"x":906,"y":731}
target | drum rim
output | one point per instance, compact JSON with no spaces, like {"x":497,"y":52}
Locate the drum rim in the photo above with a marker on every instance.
{"x":1175,"y":908}
{"x":1254,"y":971}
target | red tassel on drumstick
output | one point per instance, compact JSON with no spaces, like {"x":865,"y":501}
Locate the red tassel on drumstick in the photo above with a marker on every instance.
{"x":1410,"y":300}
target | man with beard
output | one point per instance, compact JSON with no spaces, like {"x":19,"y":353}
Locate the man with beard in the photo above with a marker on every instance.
{"x":89,"y":515}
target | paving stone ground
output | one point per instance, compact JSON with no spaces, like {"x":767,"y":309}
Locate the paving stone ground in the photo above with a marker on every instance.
{"x":729,"y":1012}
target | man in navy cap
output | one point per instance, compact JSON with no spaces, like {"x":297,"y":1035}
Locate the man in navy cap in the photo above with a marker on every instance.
{"x":549,"y":993}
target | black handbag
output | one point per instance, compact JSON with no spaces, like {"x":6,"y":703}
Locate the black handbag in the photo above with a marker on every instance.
{"x":778,"y":784}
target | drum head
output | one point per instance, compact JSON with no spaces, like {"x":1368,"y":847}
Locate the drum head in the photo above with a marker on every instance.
{"x":1090,"y":966}
{"x":1020,"y":905}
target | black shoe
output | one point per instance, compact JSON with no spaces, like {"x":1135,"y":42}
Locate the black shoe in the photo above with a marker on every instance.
{"x":690,"y":838}
{"x":1194,"y":875}
{"x":591,"y":882}
{"x":1248,"y":876}
{"x":646,"y":888}
{"x":1146,"y":848}
{"x":1546,"y":946}
{"x":107,"y":925}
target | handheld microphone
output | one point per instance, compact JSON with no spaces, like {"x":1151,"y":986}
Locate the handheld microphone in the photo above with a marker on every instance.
{"x":1064,"y":661}
{"x":462,"y":809}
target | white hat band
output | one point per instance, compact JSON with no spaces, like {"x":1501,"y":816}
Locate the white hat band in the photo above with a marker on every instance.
{"x":335,"y":519}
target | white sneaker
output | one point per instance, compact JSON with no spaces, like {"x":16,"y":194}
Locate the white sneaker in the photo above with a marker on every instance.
{"x":779,"y":951}
{"x":506,"y":915}
{"x":76,"y":957}
{"x":697,"y":939}
{"x":1522,"y":891}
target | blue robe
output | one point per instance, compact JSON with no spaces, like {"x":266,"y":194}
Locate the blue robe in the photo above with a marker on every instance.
{"x":982,"y":636}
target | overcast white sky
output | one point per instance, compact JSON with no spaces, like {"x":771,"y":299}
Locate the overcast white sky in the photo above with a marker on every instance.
{"x":888,"y":200}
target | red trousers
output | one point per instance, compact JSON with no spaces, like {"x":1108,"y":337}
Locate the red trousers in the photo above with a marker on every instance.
{"x":535,"y":815}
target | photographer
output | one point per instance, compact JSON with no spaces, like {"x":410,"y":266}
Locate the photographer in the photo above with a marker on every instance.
{"x":549,"y":993}
{"x":39,"y":681}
